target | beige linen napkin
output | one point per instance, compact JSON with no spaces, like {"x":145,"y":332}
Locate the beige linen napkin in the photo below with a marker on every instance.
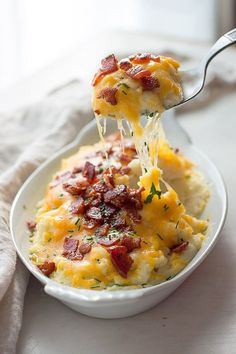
{"x":27,"y":138}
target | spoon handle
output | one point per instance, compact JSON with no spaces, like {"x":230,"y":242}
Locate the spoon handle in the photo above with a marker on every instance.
{"x":223,"y":42}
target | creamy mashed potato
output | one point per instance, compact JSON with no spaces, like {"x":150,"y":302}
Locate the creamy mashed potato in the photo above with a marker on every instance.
{"x":123,"y":212}
{"x":159,"y":234}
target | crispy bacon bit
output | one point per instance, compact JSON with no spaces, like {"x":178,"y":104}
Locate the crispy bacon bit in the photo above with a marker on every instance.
{"x":75,"y":187}
{"x":150,"y":83}
{"x":108,"y":211}
{"x":156,"y":58}
{"x":70,"y":247}
{"x":180,"y":248}
{"x":94,"y":213}
{"x":137,"y":72}
{"x":85,"y":248}
{"x":106,"y":242}
{"x":102,"y":230}
{"x":31,"y":225}
{"x":98,"y":77}
{"x":120,"y":259}
{"x":135,"y":198}
{"x":125,"y":64}
{"x":47,"y":268}
{"x":77,"y":207}
{"x":109,"y":64}
{"x":176,"y":150}
{"x":134,"y":216}
{"x":97,"y":111}
{"x":131,"y":243}
{"x":89,"y":171}
{"x":109,"y":95}
{"x":125,"y":158}
{"x":141,"y":58}
{"x":118,"y":221}
{"x":100,"y":187}
{"x":90,"y":224}
{"x":117,"y":196}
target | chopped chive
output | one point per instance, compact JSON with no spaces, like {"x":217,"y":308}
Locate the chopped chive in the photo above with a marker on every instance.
{"x":145,"y":170}
{"x":166,"y":207}
{"x":159,"y":236}
{"x":177,"y":224}
{"x":125,"y":93}
{"x":77,"y":221}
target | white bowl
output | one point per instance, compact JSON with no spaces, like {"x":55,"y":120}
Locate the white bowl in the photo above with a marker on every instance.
{"x":120,"y":303}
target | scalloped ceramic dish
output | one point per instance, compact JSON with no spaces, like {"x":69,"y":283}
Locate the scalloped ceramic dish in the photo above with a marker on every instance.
{"x":120,"y":303}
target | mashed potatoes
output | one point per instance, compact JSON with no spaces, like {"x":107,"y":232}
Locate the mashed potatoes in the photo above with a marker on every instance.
{"x":118,"y":213}
{"x":97,"y":228}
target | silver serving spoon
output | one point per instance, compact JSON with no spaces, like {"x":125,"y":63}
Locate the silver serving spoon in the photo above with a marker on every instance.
{"x":193,"y":80}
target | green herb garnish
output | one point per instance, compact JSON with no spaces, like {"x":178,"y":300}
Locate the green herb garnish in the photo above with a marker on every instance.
{"x":77,"y":221}
{"x":177,"y":224}
{"x":166,"y":207}
{"x":125,"y":93}
{"x":153,"y":191}
{"x":159,"y":236}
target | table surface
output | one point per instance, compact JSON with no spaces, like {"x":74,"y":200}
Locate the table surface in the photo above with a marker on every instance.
{"x":200,"y":317}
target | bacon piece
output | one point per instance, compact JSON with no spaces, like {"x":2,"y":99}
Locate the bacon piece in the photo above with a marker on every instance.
{"x":180,"y":248}
{"x":125,"y":64}
{"x":150,"y":83}
{"x":47,"y":268}
{"x":31,"y":225}
{"x":85,"y":248}
{"x":117,"y":196}
{"x":109,"y":95}
{"x":90,"y":224}
{"x":89,"y":171}
{"x":109,"y":64}
{"x":108,"y":211}
{"x":98,"y":77}
{"x":94,"y":213}
{"x":135,"y":198}
{"x":75,"y":187}
{"x":134,"y":216}
{"x":97,"y":111}
{"x":131,"y":243}
{"x":118,"y":221}
{"x":105,"y":241}
{"x":120,"y":259}
{"x":141,"y":58}
{"x":102,"y":230}
{"x":155,"y":58}
{"x":137,"y":72}
{"x":70,"y":247}
{"x":93,"y":201}
{"x":100,"y":187}
{"x":77,"y":207}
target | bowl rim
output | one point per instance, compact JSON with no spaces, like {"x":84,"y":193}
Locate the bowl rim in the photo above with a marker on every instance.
{"x":75,"y":294}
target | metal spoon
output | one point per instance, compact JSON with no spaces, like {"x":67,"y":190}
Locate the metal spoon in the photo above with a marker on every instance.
{"x":193,"y":80}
